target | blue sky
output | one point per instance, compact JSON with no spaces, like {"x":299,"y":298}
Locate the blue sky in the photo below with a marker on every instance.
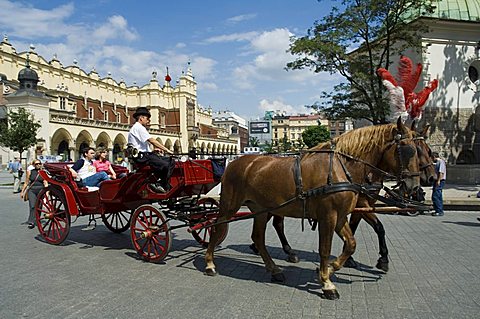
{"x":237,"y":49}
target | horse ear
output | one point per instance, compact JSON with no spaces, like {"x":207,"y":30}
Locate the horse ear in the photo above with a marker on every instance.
{"x":425,"y":131}
{"x":413,"y":127}
{"x":400,"y":126}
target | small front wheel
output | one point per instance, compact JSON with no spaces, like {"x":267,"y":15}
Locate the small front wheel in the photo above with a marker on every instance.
{"x":203,"y":236}
{"x":52,"y":217}
{"x":150,"y":232}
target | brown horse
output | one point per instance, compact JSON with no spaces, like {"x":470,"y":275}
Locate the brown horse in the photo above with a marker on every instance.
{"x":269,"y":184}
{"x":427,"y":176}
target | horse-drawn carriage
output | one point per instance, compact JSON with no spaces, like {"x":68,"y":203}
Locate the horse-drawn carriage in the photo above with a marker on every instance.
{"x":325,"y":185}
{"x":130,"y":203}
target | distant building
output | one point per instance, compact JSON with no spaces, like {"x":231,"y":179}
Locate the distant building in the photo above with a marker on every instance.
{"x":289,"y":128}
{"x":234,"y":125}
{"x":339,"y":127}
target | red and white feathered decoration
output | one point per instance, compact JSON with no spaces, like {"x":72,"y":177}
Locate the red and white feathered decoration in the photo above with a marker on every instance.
{"x":403,"y":100}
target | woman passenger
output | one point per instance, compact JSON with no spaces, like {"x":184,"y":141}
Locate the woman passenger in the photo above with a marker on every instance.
{"x":102,"y":164}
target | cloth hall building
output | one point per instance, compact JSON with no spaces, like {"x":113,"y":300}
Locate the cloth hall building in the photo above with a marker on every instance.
{"x":78,"y":109}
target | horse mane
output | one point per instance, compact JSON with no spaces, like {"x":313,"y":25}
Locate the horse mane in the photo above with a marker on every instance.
{"x":361,"y":141}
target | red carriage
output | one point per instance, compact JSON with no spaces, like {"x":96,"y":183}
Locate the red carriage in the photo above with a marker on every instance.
{"x":129,"y":203}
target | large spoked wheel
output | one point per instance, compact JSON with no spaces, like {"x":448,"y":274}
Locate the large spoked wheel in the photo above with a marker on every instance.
{"x":203,"y":236}
{"x":117,"y":222}
{"x":53,"y":219}
{"x":150,"y":231}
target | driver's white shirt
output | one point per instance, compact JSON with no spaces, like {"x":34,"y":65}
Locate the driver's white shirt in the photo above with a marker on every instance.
{"x":138,"y":137}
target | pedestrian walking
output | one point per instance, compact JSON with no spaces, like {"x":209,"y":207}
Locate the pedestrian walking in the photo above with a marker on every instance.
{"x":438,"y":185}
{"x":17,"y":172}
{"x":32,"y":186}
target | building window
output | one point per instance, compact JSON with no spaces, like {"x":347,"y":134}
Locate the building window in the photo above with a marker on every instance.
{"x":105,"y":116}
{"x":163,"y":120}
{"x":118,"y":118}
{"x":473,"y":71}
{"x":62,"y":103}
{"x":90,"y":113}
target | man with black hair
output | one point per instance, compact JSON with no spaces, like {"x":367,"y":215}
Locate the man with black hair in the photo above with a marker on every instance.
{"x":140,"y":139}
{"x":84,"y":171}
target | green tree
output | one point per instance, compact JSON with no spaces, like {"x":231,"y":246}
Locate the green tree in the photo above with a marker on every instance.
{"x":268,"y":147}
{"x":378,"y":30}
{"x":315,"y":134}
{"x":253,"y":141}
{"x":19,"y":131}
{"x":285,"y":145}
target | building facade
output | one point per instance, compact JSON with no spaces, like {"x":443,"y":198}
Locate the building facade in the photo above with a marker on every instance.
{"x":451,"y":53}
{"x":78,"y":109}
{"x":235,"y":125}
{"x":289,"y":128}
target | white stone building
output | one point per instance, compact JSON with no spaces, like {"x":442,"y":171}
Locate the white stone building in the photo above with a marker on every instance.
{"x":451,"y":54}
{"x":78,"y":109}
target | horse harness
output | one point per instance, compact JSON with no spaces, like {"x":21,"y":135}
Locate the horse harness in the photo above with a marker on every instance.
{"x":369,"y":189}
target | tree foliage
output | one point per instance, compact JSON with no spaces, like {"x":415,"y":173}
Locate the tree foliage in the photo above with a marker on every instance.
{"x":19,"y":131}
{"x":253,"y":141}
{"x":314,"y":135}
{"x":378,"y":30}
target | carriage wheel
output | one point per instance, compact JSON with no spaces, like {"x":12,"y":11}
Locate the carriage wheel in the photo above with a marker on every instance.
{"x":53,"y":219}
{"x":118,"y":222}
{"x":203,"y":236}
{"x":150,"y":232}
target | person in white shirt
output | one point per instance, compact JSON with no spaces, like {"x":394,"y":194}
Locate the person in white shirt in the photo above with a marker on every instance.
{"x":84,"y":170}
{"x":438,"y":185}
{"x":140,"y":139}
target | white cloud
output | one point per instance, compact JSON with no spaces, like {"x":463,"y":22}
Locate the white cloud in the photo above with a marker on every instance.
{"x":269,"y":62}
{"x":275,"y":105}
{"x":115,"y":27}
{"x":25,"y":21}
{"x":208,"y":86}
{"x":240,"y":18}
{"x":180,"y":45}
{"x":234,"y":37}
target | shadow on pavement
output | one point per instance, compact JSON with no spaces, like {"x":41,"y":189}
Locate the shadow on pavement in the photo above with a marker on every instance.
{"x":470,"y":224}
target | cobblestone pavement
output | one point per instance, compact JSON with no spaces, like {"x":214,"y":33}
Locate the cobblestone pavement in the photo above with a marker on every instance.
{"x":433,"y":273}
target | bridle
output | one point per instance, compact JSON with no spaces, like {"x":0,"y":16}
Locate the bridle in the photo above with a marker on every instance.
{"x":405,"y":152}
{"x":424,"y":166}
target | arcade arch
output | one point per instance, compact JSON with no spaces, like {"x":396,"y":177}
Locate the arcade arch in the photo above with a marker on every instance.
{"x":62,"y":144}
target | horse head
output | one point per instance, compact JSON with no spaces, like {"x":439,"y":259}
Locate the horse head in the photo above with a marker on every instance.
{"x":425,"y":157}
{"x":402,"y":158}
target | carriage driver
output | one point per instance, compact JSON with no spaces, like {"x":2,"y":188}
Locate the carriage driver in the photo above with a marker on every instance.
{"x":139,"y":138}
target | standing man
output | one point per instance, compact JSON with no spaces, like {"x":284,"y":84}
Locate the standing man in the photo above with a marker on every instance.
{"x":437,"y":196}
{"x":17,"y":172}
{"x":140,"y":139}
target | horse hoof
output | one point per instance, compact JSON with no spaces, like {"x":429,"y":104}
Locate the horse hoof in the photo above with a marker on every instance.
{"x":210,"y":272}
{"x":293,"y":259}
{"x":382,"y":265}
{"x":253,"y":248}
{"x":350,"y":263}
{"x":279,"y":277}
{"x":331,"y":294}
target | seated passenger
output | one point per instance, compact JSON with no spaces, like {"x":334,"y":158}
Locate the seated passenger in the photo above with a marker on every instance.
{"x":102,"y":164}
{"x":83,"y":170}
